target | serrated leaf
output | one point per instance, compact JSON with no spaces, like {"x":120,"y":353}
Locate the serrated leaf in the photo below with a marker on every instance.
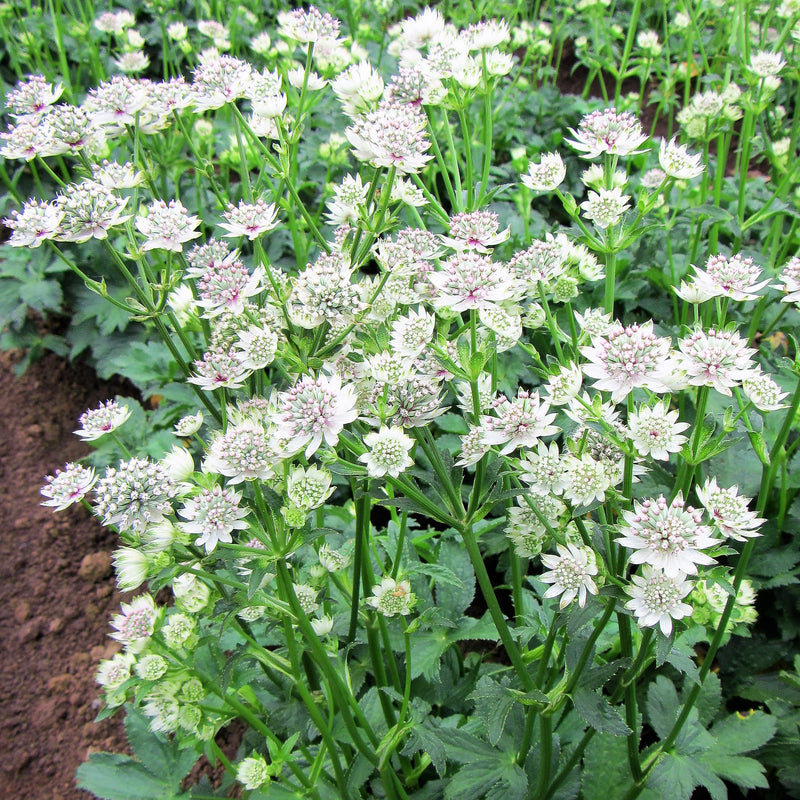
{"x":41,"y":295}
{"x":598,"y":713}
{"x":465,"y":748}
{"x":111,"y":776}
{"x":428,"y":648}
{"x":742,"y":733}
{"x":440,"y":574}
{"x":605,"y":768}
{"x":451,"y":598}
{"x":493,"y":703}
{"x":157,"y":754}
{"x":422,"y":739}
{"x":676,"y":777}
{"x":357,"y":773}
{"x":662,"y":705}
{"x":494,"y":778}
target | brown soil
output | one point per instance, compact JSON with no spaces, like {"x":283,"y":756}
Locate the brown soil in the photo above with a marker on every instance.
{"x":57,"y":588}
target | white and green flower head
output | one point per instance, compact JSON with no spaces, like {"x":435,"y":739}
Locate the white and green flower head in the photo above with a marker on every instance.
{"x":391,"y":597}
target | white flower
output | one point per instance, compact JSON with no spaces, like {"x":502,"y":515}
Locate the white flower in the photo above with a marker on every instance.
{"x":167,"y":227}
{"x":475,"y":230}
{"x":214,"y":514}
{"x":136,"y":623}
{"x":249,"y":219}
{"x":308,"y":488}
{"x":412,"y":333}
{"x":309,"y":26}
{"x":36,"y":223}
{"x":608,"y":131}
{"x":252,"y":772}
{"x":667,"y":536}
{"x":521,"y":422}
{"x":677,"y":162}
{"x":720,"y":359}
{"x":626,"y":358}
{"x":543,"y":470}
{"x":655,"y":431}
{"x":219,"y":369}
{"x":587,"y":480}
{"x":68,"y":486}
{"x":97,"y":422}
{"x":132,"y":567}
{"x":471,"y":280}
{"x":312,"y":410}
{"x":729,"y":511}
{"x":762,"y":391}
{"x":571,"y":573}
{"x":735,"y":277}
{"x":179,"y":463}
{"x":322,"y":625}
{"x":605,"y":207}
{"x":256,"y":347}
{"x":547,"y":175}
{"x":113,"y":672}
{"x":388,"y":452}
{"x":191,"y":594}
{"x":656,"y":599}
{"x":189,"y":425}
{"x":390,"y":597}
{"x":790,"y":276}
{"x":242,"y":453}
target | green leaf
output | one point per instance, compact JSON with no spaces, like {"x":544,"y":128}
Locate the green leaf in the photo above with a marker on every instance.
{"x":157,"y":753}
{"x":597,"y":712}
{"x":440,"y":574}
{"x":425,"y":740}
{"x":450,"y":597}
{"x":662,"y":705}
{"x":493,"y":704}
{"x":741,"y":734}
{"x":488,"y":779}
{"x":428,"y":648}
{"x":41,"y":295}
{"x":676,"y":776}
{"x":605,"y":768}
{"x":111,"y":776}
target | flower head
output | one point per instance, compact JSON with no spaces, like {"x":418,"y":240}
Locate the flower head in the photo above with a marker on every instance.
{"x":762,"y":391}
{"x":475,"y":230}
{"x":608,"y":131}
{"x":677,"y":162}
{"x":729,"y":511}
{"x":655,"y":431}
{"x":97,"y":422}
{"x":242,"y":453}
{"x":520,"y":422}
{"x":547,"y":175}
{"x":390,"y":597}
{"x":735,"y":277}
{"x":605,"y":207}
{"x":720,"y":359}
{"x":36,"y":223}
{"x":136,"y":623}
{"x":543,"y":470}
{"x":668,"y":536}
{"x":68,"y":486}
{"x":167,"y":227}
{"x":656,"y":599}
{"x":471,"y":280}
{"x":249,"y":219}
{"x":388,"y":452}
{"x":570,"y":573}
{"x":252,"y":772}
{"x":315,"y":409}
{"x":309,"y":26}
{"x":214,"y":514}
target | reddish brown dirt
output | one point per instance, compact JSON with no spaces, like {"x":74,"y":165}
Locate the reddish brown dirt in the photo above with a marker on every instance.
{"x":55,"y":621}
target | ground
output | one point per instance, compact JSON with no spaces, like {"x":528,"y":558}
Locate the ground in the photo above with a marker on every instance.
{"x":57,"y":588}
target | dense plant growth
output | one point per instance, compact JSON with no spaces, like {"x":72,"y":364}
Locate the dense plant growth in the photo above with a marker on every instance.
{"x":472,"y":409}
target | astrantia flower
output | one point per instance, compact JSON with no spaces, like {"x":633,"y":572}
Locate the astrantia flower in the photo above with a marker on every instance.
{"x":249,"y":219}
{"x":349,"y":196}
{"x":136,"y":623}
{"x":308,"y":488}
{"x":220,"y":80}
{"x":332,"y":560}
{"x":626,"y":358}
{"x":90,"y":211}
{"x":219,"y":369}
{"x":242,"y":453}
{"x":473,"y":448}
{"x":586,"y":480}
{"x":68,"y":486}
{"x":720,"y":359}
{"x":99,"y":421}
{"x":504,"y":322}
{"x":608,"y":131}
{"x":543,"y":470}
{"x":518,"y":423}
{"x":735,"y":277}
{"x":226,"y":286}
{"x":167,"y":227}
{"x":189,"y":425}
{"x":564,"y":385}
{"x":214,"y":514}
{"x":387,"y":453}
{"x":132,"y":567}
{"x":486,"y":33}
{"x":667,"y":536}
{"x":315,"y":409}
{"x":113,"y":672}
{"x":570,"y":573}
{"x":524,"y":528}
{"x":729,"y":511}
{"x":116,"y":176}
{"x":359,"y":88}
{"x":324,"y":292}
{"x":656,"y":599}
{"x":605,"y":207}
{"x":762,"y":391}
{"x":547,"y":175}
{"x":32,"y":96}
{"x":309,"y":26}
{"x":677,"y":162}
{"x":764,"y":64}
{"x":37,"y":222}
{"x":426,"y":26}
{"x":256,"y":347}
{"x":394,"y":135}
{"x":475,"y":230}
{"x":471,"y":280}
{"x":790,"y":275}
{"x":655,"y":431}
{"x":135,"y":495}
{"x":252,"y":772}
{"x":132,"y":62}
{"x":390,"y":597}
{"x":412,"y":333}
